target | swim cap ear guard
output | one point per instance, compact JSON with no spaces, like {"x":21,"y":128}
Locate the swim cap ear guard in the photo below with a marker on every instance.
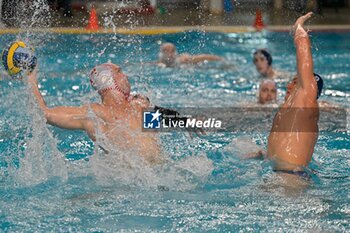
{"x":319,"y":82}
{"x":102,"y":79}
{"x":266,"y":54}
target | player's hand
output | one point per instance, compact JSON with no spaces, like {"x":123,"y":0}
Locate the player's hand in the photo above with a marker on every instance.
{"x":32,"y":76}
{"x":300,"y":21}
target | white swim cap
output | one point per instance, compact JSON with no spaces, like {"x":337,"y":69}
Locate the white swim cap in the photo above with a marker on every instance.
{"x":103,"y":78}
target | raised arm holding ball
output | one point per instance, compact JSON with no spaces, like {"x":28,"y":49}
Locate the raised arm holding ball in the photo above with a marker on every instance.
{"x":117,"y":120}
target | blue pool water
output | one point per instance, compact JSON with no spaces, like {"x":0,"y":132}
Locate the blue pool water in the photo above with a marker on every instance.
{"x":50,"y":179}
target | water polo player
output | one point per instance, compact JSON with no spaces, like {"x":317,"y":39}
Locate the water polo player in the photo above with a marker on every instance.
{"x":295,"y":127}
{"x":267,"y":91}
{"x":262,"y":60}
{"x":115,"y":124}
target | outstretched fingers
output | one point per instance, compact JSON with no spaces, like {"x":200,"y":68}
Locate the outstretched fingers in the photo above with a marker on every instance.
{"x":301,"y":20}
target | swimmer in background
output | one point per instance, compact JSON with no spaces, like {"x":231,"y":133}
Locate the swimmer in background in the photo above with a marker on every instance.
{"x":267,"y":94}
{"x":267,"y":91}
{"x":168,"y":57}
{"x":262,"y":60}
{"x":118,"y":117}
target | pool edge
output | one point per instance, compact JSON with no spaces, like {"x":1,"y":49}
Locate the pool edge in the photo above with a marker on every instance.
{"x":156,"y":30}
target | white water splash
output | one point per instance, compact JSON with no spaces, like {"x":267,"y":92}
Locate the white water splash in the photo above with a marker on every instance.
{"x":243,"y":147}
{"x":41,"y":159}
{"x":130,"y":169}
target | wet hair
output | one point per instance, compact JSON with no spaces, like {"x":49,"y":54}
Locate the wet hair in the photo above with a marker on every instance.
{"x":263,"y":81}
{"x":319,"y":82}
{"x":266,"y":54}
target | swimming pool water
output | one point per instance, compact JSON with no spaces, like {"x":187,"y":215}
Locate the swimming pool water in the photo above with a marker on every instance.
{"x":50,"y":179}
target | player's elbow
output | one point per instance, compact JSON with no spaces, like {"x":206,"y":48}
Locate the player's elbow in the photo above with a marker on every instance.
{"x":49,"y":116}
{"x":52,"y":117}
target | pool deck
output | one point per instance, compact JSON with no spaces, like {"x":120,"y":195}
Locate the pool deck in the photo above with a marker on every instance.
{"x":175,"y":21}
{"x":155,"y":30}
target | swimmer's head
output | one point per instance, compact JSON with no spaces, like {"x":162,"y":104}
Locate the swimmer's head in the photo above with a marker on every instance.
{"x":267,"y":91}
{"x":108,"y":77}
{"x":167,"y":54}
{"x":262,"y":60}
{"x":292,"y":85}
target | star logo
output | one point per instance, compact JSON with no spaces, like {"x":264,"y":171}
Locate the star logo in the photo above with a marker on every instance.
{"x":156,"y":116}
{"x":151,"y":120}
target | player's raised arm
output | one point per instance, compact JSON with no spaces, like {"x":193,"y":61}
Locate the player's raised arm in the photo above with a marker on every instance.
{"x":33,"y":81}
{"x":304,"y":57}
{"x":63,"y":116}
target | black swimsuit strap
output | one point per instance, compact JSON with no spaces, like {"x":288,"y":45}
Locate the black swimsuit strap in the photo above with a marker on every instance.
{"x":303,"y":174}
